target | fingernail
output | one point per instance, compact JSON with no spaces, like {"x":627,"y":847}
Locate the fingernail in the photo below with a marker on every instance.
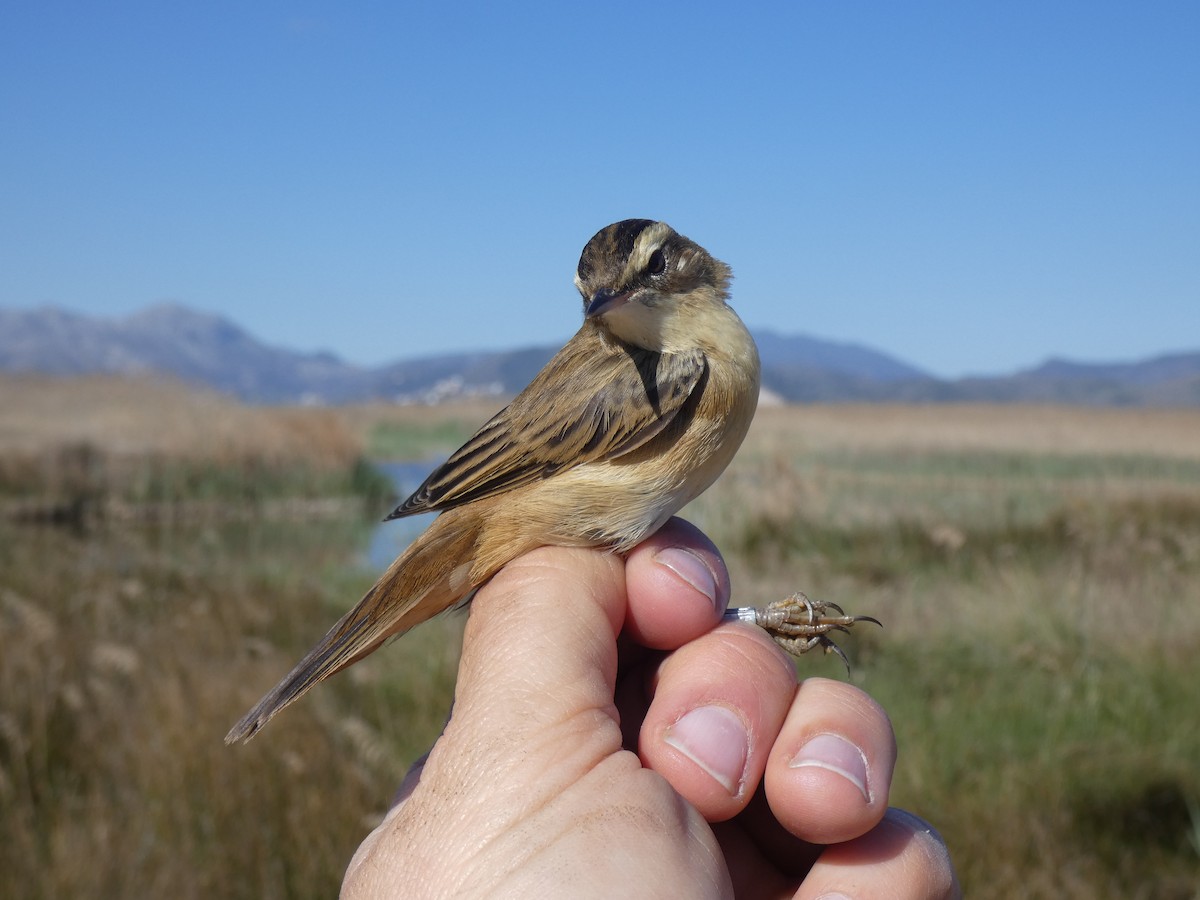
{"x":835,"y":754}
{"x":715,"y":739}
{"x":691,"y":568}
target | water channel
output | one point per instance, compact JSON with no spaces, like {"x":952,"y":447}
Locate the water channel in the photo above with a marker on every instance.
{"x":389,"y":539}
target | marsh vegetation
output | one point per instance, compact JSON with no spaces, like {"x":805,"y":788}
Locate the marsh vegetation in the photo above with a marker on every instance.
{"x":165,"y":555}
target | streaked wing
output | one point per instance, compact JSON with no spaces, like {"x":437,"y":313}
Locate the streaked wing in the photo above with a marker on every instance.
{"x":591,"y":401}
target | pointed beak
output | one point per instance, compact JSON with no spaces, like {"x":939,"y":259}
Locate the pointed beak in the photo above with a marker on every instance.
{"x":604,"y":300}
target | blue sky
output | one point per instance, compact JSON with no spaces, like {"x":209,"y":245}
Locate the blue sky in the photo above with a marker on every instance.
{"x":972,"y":187}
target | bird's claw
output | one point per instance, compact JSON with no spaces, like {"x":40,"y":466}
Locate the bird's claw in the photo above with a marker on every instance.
{"x":798,"y":624}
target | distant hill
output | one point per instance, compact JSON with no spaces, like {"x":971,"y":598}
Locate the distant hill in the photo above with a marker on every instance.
{"x":798,"y":353}
{"x":192,"y":346}
{"x":1168,"y":380}
{"x":212,"y":351}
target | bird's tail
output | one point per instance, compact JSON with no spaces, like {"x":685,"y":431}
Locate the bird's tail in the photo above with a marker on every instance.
{"x":426,"y":579}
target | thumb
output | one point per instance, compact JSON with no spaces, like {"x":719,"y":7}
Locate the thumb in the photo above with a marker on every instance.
{"x":540,"y":645}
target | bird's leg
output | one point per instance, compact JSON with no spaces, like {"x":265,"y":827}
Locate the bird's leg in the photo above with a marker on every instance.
{"x":797,"y":624}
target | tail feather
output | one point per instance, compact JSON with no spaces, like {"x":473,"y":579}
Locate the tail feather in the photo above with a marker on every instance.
{"x":425,"y":580}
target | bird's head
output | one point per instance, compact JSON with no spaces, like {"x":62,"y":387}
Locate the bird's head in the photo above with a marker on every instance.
{"x":652,"y":287}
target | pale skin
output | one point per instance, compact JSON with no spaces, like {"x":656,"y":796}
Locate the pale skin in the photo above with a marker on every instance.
{"x":608,"y":741}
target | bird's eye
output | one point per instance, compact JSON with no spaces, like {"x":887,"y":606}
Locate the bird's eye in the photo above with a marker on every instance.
{"x":657,"y":263}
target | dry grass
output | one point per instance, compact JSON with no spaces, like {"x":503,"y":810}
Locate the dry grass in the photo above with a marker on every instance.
{"x":148,"y":417}
{"x":101,"y":447}
{"x":1061,"y":430}
{"x":128,"y":655}
{"x":1037,"y":571}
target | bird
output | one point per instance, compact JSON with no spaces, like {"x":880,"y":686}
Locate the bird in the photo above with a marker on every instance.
{"x":634,"y":417}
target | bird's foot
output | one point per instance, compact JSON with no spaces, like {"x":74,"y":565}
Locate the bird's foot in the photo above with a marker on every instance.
{"x":797,"y":624}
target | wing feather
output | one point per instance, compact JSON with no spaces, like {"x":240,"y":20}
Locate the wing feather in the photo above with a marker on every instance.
{"x":596,"y":399}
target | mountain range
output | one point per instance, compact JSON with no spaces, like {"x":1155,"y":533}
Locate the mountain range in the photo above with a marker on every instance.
{"x":212,"y":351}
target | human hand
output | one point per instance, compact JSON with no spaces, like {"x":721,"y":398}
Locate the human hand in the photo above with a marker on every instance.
{"x":709,"y":775}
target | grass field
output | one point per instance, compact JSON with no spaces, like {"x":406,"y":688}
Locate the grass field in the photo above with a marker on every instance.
{"x":165,"y":555}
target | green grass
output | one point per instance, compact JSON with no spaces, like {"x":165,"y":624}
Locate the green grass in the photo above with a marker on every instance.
{"x":80,"y":483}
{"x":1052,"y":764}
{"x":1037,"y":659}
{"x":415,"y":441}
